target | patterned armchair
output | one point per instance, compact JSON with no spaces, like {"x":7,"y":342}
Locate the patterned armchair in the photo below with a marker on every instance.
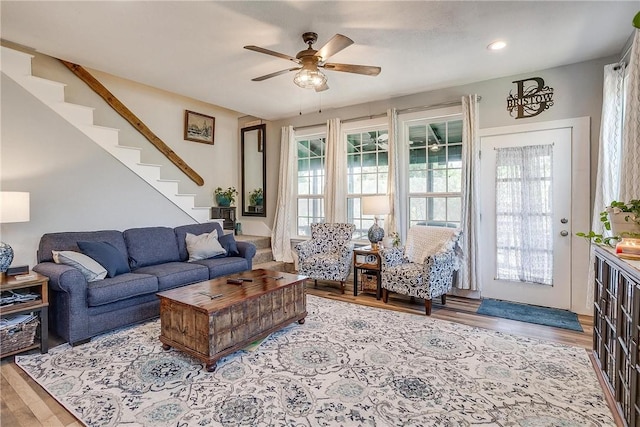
{"x":425,"y":267}
{"x":327,"y":256}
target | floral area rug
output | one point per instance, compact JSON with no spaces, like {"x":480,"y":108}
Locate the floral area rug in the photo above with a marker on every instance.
{"x":348,"y":365}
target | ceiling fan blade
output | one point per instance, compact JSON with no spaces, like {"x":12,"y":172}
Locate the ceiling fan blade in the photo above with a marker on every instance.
{"x":333,"y":46}
{"x":322,"y":88}
{"x":350,"y":68}
{"x":272,"y":53}
{"x":277,"y":73}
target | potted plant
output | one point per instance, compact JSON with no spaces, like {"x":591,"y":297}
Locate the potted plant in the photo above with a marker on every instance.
{"x":256,"y":197}
{"x":621,"y":218}
{"x":225,"y":197}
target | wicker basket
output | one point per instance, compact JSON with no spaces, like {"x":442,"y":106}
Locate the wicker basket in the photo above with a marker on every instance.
{"x":368,"y":281}
{"x":18,"y":336}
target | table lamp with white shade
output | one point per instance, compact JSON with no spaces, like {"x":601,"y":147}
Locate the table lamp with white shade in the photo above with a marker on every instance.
{"x":14,"y":207}
{"x":375,"y":205}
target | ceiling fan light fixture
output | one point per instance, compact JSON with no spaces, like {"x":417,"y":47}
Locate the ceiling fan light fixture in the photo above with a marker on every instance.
{"x":309,"y":79}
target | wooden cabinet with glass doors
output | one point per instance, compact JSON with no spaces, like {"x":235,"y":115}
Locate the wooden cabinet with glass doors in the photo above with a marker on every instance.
{"x":616,"y":330}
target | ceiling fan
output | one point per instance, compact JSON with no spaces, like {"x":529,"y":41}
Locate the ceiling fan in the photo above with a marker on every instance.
{"x":310,"y":61}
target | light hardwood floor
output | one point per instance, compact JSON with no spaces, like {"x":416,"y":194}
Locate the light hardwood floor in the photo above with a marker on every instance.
{"x":25,"y":403}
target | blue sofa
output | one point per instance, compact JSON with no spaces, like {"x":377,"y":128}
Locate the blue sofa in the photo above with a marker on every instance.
{"x":157,"y":258}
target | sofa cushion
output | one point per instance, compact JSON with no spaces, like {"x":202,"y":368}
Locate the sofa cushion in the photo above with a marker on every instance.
{"x":228,"y":242}
{"x":107,"y":255}
{"x":120,"y":288}
{"x":90,"y":268}
{"x":173,"y":274}
{"x":203,"y":246}
{"x":151,"y":246}
{"x":68,"y":241}
{"x":195,"y":229}
{"x":222,"y":266}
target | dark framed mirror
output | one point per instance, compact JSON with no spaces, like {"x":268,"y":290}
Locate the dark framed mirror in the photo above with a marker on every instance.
{"x":254,"y":170}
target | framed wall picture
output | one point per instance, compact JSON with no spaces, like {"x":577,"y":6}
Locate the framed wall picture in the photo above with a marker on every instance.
{"x":199,"y":127}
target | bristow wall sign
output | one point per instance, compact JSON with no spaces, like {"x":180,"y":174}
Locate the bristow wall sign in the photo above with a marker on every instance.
{"x":531,"y":99}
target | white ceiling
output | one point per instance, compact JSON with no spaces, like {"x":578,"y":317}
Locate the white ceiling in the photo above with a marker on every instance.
{"x":196,"y":48}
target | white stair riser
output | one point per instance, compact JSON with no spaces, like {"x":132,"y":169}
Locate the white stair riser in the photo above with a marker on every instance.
{"x":16,"y":63}
{"x":76,"y":114}
{"x":168,"y":188}
{"x":106,"y":137}
{"x":45,"y":90}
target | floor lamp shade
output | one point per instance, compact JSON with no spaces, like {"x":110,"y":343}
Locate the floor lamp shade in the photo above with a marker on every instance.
{"x":375,"y":205}
{"x":14,"y":207}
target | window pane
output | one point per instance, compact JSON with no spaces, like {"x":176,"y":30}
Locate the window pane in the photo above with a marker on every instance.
{"x":417,"y":136}
{"x":437,"y":210}
{"x":383,"y":160}
{"x":454,"y":180}
{"x":369,"y":163}
{"x":354,"y":141}
{"x":437,"y":159}
{"x":303,"y":207}
{"x":418,"y":181}
{"x":455,"y":156}
{"x":437,"y":181}
{"x":454,"y":132}
{"x":303,"y":186}
{"x":353,"y":163}
{"x":417,"y":156}
{"x":303,"y":149}
{"x":303,"y":227}
{"x":303,"y":167}
{"x":454,"y":209}
{"x":417,"y":210}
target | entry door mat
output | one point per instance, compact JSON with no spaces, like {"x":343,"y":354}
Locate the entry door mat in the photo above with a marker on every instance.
{"x":531,"y":314}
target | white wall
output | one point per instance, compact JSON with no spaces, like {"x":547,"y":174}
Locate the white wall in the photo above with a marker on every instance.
{"x":76,"y":185}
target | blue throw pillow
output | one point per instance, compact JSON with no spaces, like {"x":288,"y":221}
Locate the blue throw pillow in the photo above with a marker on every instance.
{"x":228,"y":242}
{"x":107,"y":256}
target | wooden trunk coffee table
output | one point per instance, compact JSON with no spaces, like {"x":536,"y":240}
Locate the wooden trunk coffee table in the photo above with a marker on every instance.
{"x":212,"y":319}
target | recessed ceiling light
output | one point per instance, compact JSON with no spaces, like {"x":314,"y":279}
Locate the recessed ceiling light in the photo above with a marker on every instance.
{"x":497,"y":45}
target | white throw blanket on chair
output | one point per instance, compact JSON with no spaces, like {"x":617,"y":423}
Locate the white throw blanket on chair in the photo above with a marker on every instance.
{"x":425,"y":240}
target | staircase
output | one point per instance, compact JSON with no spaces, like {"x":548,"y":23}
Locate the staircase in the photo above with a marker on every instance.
{"x":264,"y":255}
{"x":17,"y":66}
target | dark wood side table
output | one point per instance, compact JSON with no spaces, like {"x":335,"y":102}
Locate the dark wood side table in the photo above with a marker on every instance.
{"x":366,"y":258}
{"x":226,"y":213}
{"x":37,"y":285}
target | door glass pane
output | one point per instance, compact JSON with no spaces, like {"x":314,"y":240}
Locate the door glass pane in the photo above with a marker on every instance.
{"x":524,"y":235}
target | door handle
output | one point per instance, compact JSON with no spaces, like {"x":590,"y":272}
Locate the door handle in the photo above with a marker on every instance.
{"x":564,"y":233}
{"x":564,"y":220}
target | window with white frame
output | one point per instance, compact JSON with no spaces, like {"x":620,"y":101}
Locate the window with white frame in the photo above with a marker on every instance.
{"x":435,"y":171}
{"x":311,"y":151}
{"x":367,"y":170}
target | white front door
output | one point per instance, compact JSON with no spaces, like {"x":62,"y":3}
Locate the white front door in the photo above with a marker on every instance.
{"x":501,"y":258}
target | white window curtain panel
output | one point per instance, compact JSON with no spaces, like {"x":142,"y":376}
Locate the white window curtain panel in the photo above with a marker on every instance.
{"x":335,"y":197}
{"x":610,"y":151}
{"x":393,"y":219}
{"x":630,"y":171}
{"x":285,"y":214}
{"x":524,"y":208}
{"x":469,"y":222}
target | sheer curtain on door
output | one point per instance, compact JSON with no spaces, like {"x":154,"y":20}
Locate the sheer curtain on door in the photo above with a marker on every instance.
{"x":524,"y":240}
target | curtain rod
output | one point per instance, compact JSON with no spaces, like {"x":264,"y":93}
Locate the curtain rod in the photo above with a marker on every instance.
{"x":402,"y":111}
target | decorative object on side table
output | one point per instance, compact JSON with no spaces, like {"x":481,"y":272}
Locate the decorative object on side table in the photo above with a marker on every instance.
{"x":621,"y":218}
{"x":198,"y":127}
{"x":226,"y":197}
{"x":628,"y":248}
{"x":375,"y":205}
{"x":14,"y":207}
